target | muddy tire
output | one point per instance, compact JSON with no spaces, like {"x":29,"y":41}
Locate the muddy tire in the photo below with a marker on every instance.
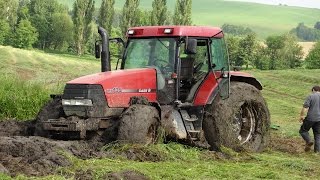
{"x":52,"y":110}
{"x":240,"y":122}
{"x":139,"y":124}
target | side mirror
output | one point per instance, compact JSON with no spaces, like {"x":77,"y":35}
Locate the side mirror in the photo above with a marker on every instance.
{"x":191,"y":46}
{"x":97,"y":49}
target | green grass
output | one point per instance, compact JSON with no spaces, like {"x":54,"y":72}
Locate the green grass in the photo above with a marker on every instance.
{"x":285,"y":92}
{"x":265,"y":20}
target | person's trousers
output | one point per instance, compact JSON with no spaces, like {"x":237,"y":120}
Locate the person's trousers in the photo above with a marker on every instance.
{"x":304,"y":132}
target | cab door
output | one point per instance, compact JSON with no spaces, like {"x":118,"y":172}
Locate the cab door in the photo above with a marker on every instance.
{"x":220,"y":65}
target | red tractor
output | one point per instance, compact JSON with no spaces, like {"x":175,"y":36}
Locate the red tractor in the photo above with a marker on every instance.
{"x":174,"y":78}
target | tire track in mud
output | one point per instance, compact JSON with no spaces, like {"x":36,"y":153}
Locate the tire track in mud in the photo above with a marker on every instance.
{"x":22,"y":153}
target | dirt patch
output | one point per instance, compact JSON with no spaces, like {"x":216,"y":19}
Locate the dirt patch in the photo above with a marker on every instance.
{"x":16,"y":128}
{"x":127,"y":174}
{"x":36,"y":156}
{"x":287,"y":145}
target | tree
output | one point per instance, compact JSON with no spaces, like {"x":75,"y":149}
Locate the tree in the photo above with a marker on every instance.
{"x":317,"y":25}
{"x":159,"y":12}
{"x":291,"y":54}
{"x":4,"y":31}
{"x":9,"y":11}
{"x":25,"y":35}
{"x":62,"y":30}
{"x":144,"y":17}
{"x":236,"y":30}
{"x":82,"y":17}
{"x":130,"y":15}
{"x":274,"y":44}
{"x":182,"y":12}
{"x":313,"y":59}
{"x":41,"y":13}
{"x":305,"y":33}
{"x":282,"y":52}
{"x":247,"y":50}
{"x":106,"y":14}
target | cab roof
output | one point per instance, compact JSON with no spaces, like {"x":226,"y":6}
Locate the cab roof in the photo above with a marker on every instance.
{"x":180,"y":31}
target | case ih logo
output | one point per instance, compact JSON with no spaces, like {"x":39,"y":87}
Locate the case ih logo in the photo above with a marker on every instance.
{"x":113,"y":90}
{"x":144,"y":90}
{"x":119,"y":90}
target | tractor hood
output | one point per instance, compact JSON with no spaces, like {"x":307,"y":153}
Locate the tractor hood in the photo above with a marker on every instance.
{"x":119,"y":86}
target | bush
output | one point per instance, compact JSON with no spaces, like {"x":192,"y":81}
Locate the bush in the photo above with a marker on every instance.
{"x":20,"y":99}
{"x":313,"y":59}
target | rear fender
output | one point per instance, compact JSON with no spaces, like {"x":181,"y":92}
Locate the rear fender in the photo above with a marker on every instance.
{"x":245,"y":77}
{"x":239,"y":77}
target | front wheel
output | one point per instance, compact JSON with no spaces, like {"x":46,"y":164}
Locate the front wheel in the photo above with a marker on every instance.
{"x":240,"y":122}
{"x":52,"y":110}
{"x":139,"y":124}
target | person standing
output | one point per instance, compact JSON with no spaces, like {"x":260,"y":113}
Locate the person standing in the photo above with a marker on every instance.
{"x":311,"y":106}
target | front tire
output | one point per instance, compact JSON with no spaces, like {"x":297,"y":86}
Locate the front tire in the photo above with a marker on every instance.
{"x":240,"y":122}
{"x":139,"y":124}
{"x":52,"y":110}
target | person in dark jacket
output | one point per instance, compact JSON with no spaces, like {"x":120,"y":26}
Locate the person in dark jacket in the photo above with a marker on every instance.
{"x":311,"y":106}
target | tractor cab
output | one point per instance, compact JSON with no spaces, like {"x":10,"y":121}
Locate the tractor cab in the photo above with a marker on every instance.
{"x":184,"y":57}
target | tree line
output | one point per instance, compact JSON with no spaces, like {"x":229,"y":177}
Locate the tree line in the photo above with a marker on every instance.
{"x":275,"y":52}
{"x":306,"y":33}
{"x":47,"y":24}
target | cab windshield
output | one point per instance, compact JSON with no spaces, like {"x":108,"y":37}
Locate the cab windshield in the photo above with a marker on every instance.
{"x":151,"y":52}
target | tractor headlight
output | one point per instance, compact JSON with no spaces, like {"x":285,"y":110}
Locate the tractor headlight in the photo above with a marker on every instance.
{"x":76,"y":102}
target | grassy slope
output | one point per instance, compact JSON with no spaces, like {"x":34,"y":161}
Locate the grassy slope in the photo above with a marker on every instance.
{"x":27,"y":79}
{"x":284,"y":91}
{"x":263,"y":19}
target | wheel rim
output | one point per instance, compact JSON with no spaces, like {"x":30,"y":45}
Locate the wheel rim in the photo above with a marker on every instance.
{"x":244,"y":123}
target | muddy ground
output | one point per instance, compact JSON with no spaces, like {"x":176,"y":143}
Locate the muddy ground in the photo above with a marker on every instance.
{"x":21,"y":153}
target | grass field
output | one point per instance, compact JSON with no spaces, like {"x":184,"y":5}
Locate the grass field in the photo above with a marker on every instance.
{"x":265,"y":20}
{"x":284,"y":91}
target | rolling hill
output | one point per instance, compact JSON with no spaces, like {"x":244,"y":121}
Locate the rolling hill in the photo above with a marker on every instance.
{"x":264,"y":19}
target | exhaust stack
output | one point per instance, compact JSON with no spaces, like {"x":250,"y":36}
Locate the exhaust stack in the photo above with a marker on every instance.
{"x":105,"y":57}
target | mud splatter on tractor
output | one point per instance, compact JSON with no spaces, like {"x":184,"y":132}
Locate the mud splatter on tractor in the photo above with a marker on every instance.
{"x":174,"y":77}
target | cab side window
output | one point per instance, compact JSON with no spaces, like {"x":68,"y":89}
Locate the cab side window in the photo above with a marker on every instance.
{"x":219,"y":54}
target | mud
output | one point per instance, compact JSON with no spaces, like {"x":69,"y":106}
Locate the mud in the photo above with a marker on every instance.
{"x":127,"y":174}
{"x":21,"y":153}
{"x":286,"y":145}
{"x":16,"y":128}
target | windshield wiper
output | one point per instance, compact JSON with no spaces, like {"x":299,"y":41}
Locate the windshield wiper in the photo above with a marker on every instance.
{"x":162,"y":43}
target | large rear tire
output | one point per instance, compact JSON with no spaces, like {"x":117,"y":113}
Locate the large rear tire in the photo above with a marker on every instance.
{"x":240,"y":122}
{"x":139,"y":124}
{"x":52,"y":110}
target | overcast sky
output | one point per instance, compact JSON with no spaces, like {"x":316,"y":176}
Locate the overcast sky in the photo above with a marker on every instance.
{"x":301,"y":3}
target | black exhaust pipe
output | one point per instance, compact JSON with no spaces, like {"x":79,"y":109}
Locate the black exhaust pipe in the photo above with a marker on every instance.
{"x":105,"y":58}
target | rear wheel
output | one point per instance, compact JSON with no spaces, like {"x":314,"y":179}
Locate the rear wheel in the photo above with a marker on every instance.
{"x":52,"y":110}
{"x":139,"y":124}
{"x":240,"y":122}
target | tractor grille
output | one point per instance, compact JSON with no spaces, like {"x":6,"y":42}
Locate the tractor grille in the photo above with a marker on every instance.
{"x":82,"y":91}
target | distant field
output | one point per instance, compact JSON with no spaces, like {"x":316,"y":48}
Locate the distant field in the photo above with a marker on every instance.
{"x":307,"y":46}
{"x":264,"y":19}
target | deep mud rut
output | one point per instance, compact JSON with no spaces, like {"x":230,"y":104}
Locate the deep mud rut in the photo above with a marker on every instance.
{"x":21,"y":153}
